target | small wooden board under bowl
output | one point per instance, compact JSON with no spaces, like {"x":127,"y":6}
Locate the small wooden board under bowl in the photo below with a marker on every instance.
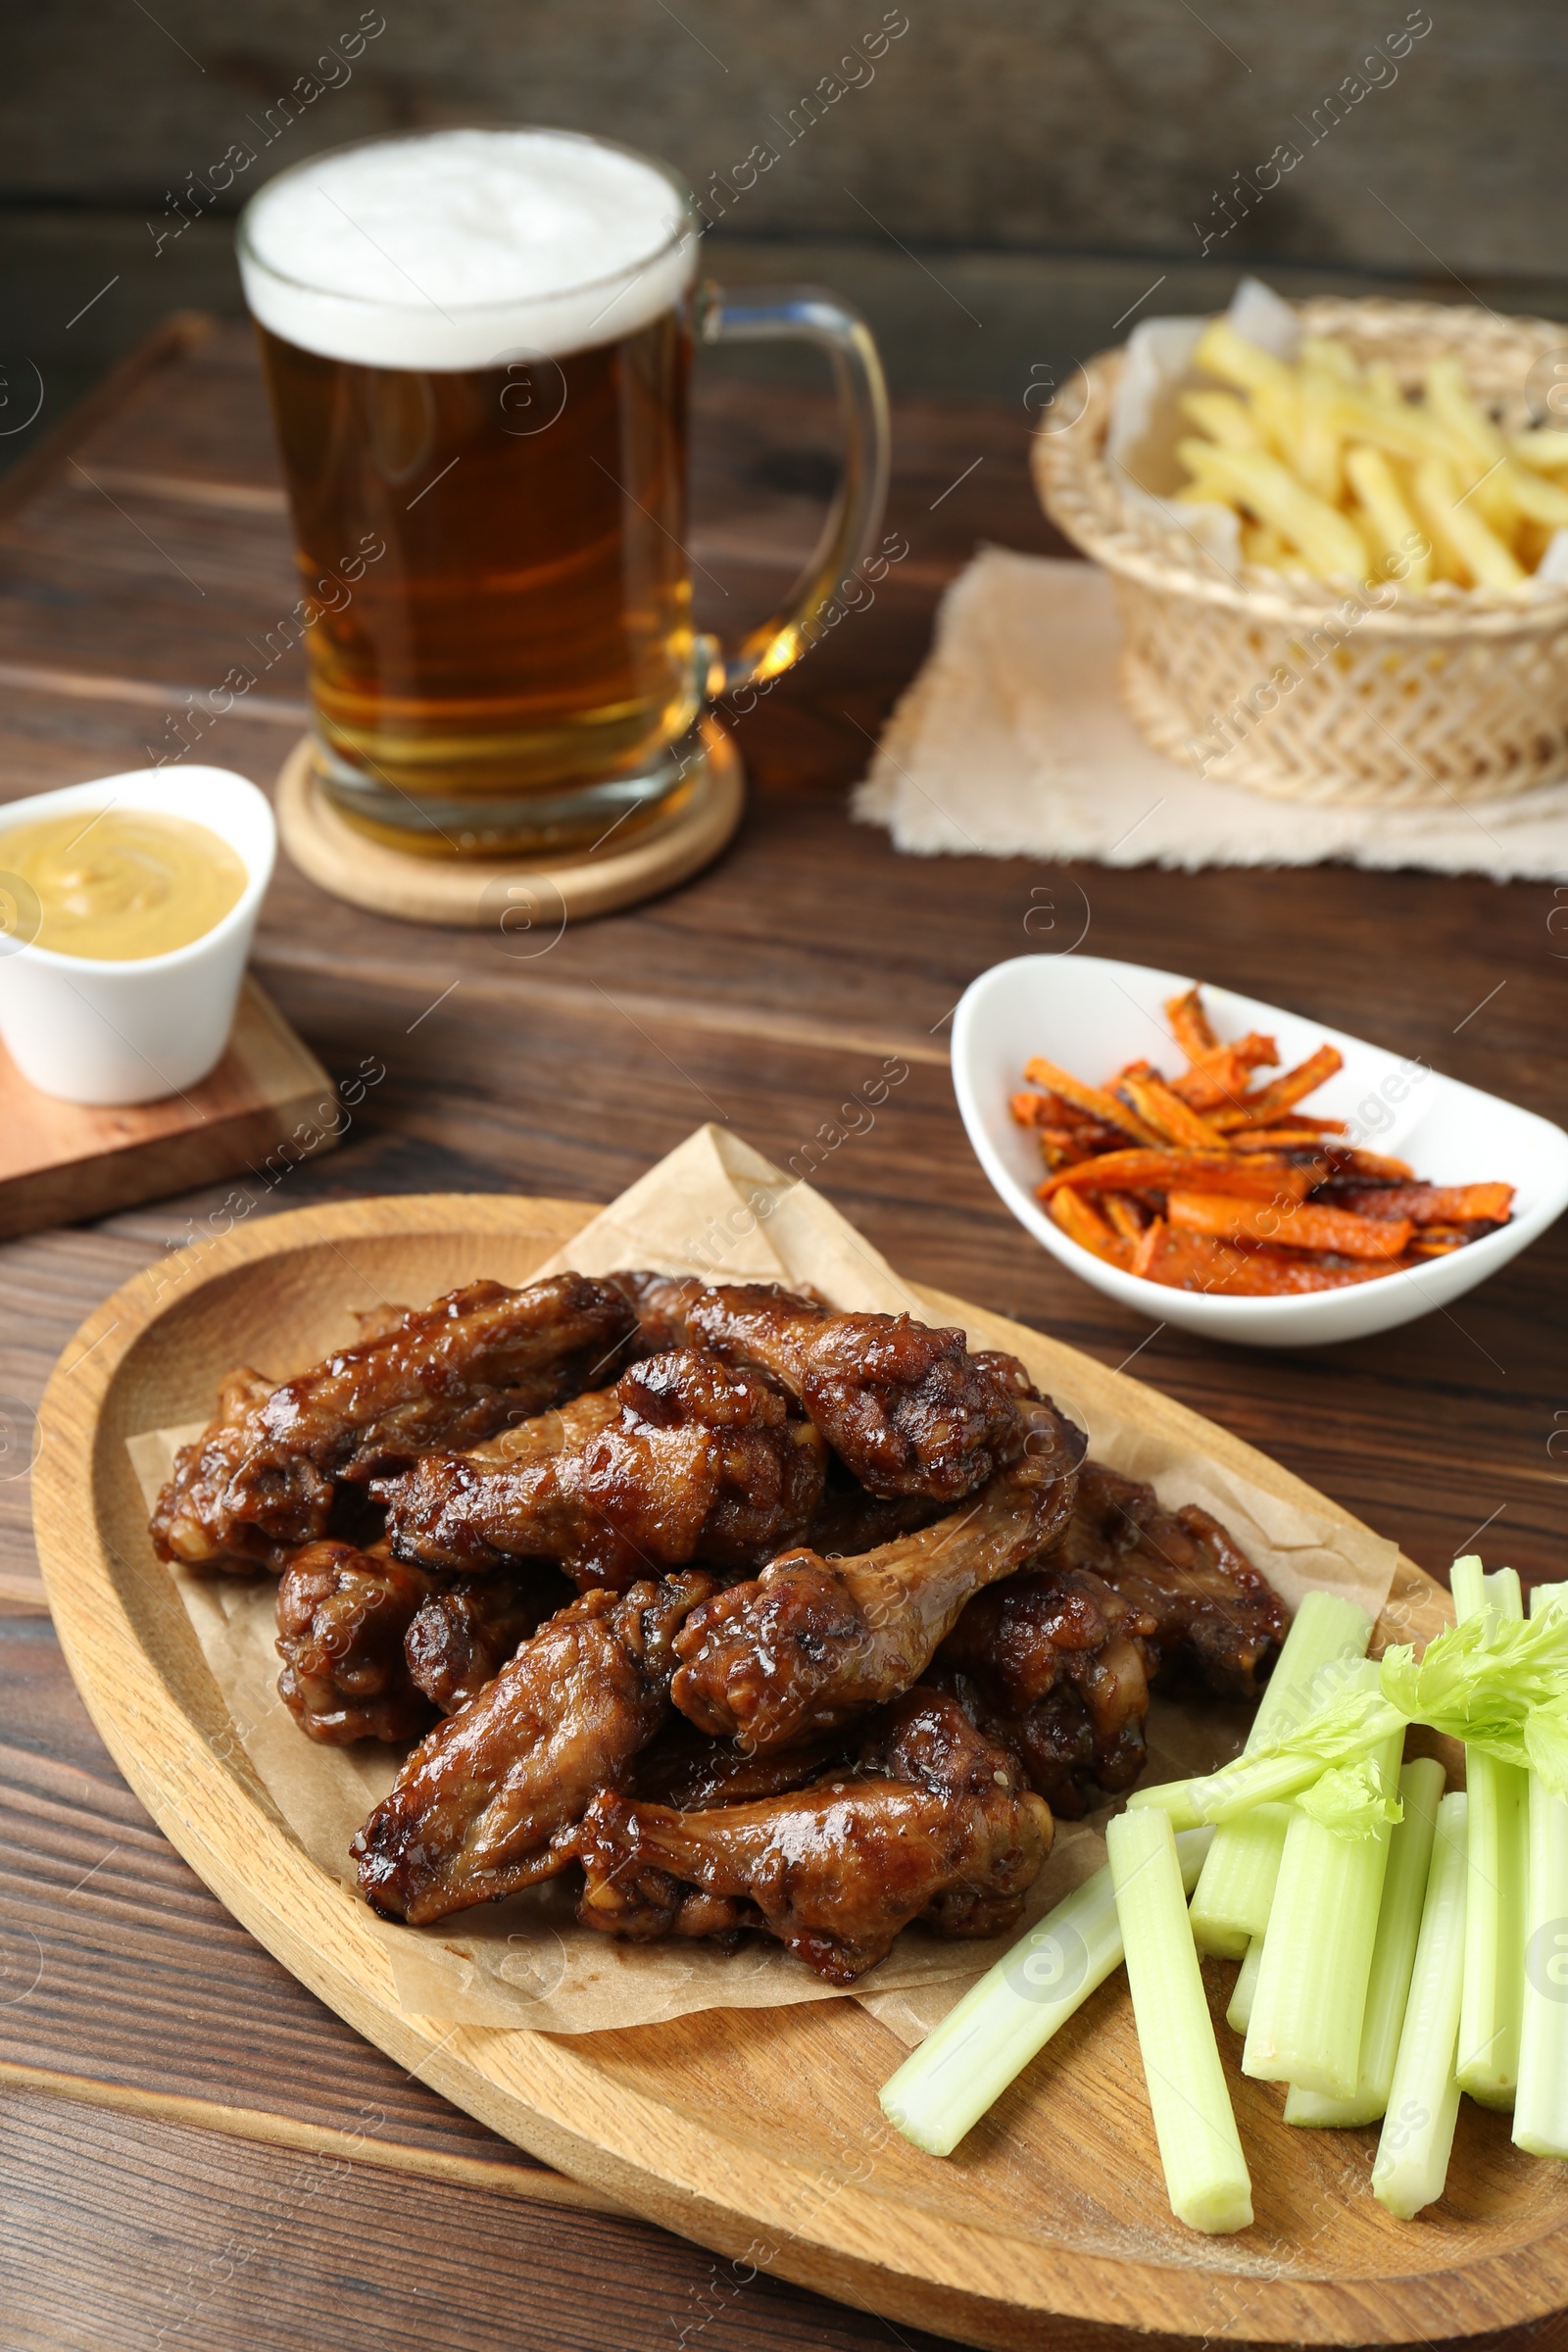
{"x":755,"y":2133}
{"x":62,"y":1161}
{"x":531,"y":900}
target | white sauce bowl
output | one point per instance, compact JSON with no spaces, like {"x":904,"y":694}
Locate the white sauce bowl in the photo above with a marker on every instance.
{"x":89,"y":1031}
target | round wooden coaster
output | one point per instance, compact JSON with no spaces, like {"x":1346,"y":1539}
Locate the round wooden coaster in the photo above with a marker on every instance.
{"x":512,"y":893}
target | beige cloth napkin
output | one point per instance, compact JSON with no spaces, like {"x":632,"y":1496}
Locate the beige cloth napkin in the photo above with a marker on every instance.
{"x":1011,"y":743}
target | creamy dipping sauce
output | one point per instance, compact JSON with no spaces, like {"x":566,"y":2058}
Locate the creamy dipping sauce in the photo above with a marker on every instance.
{"x":125,"y":884}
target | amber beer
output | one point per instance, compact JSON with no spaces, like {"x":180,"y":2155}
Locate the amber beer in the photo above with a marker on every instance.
{"x":527,"y":633}
{"x":477,"y":345}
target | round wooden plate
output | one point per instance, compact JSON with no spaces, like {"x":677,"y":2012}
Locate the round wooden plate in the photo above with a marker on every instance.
{"x":755,"y":2133}
{"x":519,"y":894}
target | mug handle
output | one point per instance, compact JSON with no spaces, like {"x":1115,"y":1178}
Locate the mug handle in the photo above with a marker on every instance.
{"x":808,"y":314}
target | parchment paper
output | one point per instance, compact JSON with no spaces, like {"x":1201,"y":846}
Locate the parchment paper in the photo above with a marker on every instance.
{"x":715,"y":1207}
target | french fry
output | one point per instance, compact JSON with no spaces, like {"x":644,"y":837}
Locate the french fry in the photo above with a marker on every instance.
{"x":1328,"y":541}
{"x":1317,"y":454}
{"x":1089,"y":1098}
{"x":1545,"y":450}
{"x":1278,"y":410}
{"x":1389,"y":517}
{"x":1330,"y":358}
{"x":1084,"y":1224}
{"x":1450,"y":405}
{"x":1260,"y":1109}
{"x":1299,"y":1224}
{"x":1534,"y":497}
{"x":1465,"y":534}
{"x":1223,"y":418}
{"x":1222,"y":351}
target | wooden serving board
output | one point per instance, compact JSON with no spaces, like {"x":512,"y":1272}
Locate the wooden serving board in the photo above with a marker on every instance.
{"x":755,"y":2133}
{"x":62,"y":1161}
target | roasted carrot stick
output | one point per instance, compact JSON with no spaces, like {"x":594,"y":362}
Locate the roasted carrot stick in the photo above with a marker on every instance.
{"x":1042,"y":1110}
{"x":1224,"y":1075}
{"x":1167,"y":1113}
{"x":1296,"y":1136}
{"x":1193,"y":1261}
{"x":1348,"y":1160}
{"x":1188,"y":1024}
{"x":1123,"y":1214}
{"x":1260,"y":1109}
{"x":1091,"y":1099}
{"x":1083,"y":1223}
{"x":1299,"y":1224}
{"x":1432,"y":1204}
{"x":1254,"y":1176}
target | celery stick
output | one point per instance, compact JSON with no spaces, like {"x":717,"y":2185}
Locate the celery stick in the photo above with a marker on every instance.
{"x":967,"y":2061}
{"x":1494,"y":1911}
{"x":1388,"y":1989}
{"x":1238,"y":2016}
{"x":1540,"y":2106}
{"x":1205,"y":2172}
{"x":1311,"y":2001}
{"x":1230,"y":1905}
{"x":1231,"y":1902}
{"x":1412,"y":2158}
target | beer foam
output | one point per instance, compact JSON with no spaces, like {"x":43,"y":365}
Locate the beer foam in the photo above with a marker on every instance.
{"x":465,"y":249}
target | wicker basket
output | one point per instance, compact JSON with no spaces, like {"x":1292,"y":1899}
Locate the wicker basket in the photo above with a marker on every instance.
{"x":1291,"y":689}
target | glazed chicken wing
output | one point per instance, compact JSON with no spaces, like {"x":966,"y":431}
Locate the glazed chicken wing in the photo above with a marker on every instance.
{"x":477,"y":1809}
{"x":1051,"y":1663}
{"x":371,"y":1648}
{"x":342,"y":1615}
{"x":700,"y":1460}
{"x":462,"y":1635}
{"x":934,"y":1825}
{"x":686,"y":1769}
{"x":1215,"y":1624}
{"x":262,"y":1477}
{"x":905,"y":1407}
{"x":811,"y":1642}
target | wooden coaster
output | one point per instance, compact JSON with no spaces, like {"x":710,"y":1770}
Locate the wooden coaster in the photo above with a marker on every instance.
{"x":62,"y":1161}
{"x":481,"y":892}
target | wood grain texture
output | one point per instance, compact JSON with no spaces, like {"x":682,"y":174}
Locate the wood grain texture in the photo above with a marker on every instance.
{"x":65,"y":1161}
{"x":126,"y":2234}
{"x":756,"y":2134}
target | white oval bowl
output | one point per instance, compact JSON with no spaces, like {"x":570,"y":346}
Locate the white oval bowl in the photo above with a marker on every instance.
{"x":1091,"y":1015}
{"x":134,"y":1031}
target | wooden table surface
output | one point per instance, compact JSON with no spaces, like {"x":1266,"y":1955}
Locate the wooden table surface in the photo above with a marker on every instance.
{"x":193,"y":2151}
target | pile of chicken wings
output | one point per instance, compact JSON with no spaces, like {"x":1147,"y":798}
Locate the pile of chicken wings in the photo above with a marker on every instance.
{"x":753,"y":1615}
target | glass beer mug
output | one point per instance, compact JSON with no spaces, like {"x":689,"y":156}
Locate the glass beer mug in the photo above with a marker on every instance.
{"x":477,"y":347}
